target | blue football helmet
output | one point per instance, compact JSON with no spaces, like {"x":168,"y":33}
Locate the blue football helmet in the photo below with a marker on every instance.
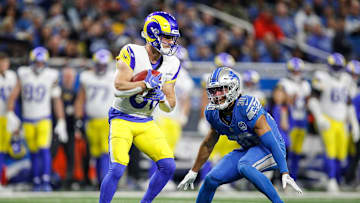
{"x":224,"y":60}
{"x":251,"y":76}
{"x":158,"y":25}
{"x":295,"y":65}
{"x":353,"y":67}
{"x":223,"y":87}
{"x":39,"y":54}
{"x":102,"y":59}
{"x":336,"y":61}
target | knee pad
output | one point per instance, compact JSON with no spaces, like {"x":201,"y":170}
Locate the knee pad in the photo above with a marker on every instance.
{"x":211,"y":182}
{"x":116,"y":170}
{"x":166,"y":166}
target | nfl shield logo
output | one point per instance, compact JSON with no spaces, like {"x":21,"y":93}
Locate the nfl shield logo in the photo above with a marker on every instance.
{"x":242,"y":126}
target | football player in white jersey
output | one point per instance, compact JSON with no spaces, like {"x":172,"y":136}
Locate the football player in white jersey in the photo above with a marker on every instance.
{"x":251,"y":80}
{"x":298,"y":90}
{"x":130,"y":117}
{"x":96,"y":93}
{"x":172,"y":123}
{"x":330,"y":104}
{"x":38,"y":85}
{"x":7,"y":83}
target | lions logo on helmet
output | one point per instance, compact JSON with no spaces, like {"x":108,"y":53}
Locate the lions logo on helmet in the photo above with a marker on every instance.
{"x":223,"y":87}
{"x":158,"y":25}
{"x":336,"y":61}
{"x":224,"y":60}
{"x":251,"y":76}
{"x":102,"y":58}
{"x":39,"y":54}
{"x":353,"y":67}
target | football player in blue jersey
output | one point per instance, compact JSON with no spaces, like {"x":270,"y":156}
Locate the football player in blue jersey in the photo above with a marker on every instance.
{"x":240,"y":118}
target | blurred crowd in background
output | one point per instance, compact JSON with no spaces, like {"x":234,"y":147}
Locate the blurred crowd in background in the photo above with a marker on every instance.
{"x":80,"y":28}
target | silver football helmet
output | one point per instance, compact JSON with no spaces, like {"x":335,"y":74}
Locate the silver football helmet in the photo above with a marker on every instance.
{"x":223,"y":87}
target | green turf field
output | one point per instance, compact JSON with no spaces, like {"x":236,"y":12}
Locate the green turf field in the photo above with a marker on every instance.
{"x":170,"y":200}
{"x":176,"y":197}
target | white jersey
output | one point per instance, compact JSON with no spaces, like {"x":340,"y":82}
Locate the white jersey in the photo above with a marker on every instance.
{"x":99,"y":92}
{"x":254,"y":92}
{"x":136,"y":57}
{"x":335,"y":93}
{"x":353,"y":88}
{"x":7,"y":84}
{"x":299,"y":90}
{"x":36,"y":92}
{"x":182,"y":88}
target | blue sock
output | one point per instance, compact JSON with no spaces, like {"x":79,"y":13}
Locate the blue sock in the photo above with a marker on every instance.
{"x":330,"y":167}
{"x":294,"y":164}
{"x":166,"y":169}
{"x":2,"y":155}
{"x":98,"y":169}
{"x":152,"y":168}
{"x":207,"y":190}
{"x":205,"y":169}
{"x":104,"y":164}
{"x":35,"y":169}
{"x":110,"y":182}
{"x":338,"y":171}
{"x":46,"y":166}
{"x":260,"y":181}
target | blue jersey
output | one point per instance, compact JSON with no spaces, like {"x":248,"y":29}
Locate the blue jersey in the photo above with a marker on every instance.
{"x":246,"y":112}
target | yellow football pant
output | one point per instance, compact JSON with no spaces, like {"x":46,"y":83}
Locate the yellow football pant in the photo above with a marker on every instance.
{"x":147,"y":137}
{"x":172,"y":130}
{"x":336,"y":140}
{"x":5,"y":136}
{"x":297,"y":137}
{"x":38,"y":135}
{"x":97,"y":132}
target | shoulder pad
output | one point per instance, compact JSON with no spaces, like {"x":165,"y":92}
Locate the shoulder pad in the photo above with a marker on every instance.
{"x":127,"y":55}
{"x":253,"y":108}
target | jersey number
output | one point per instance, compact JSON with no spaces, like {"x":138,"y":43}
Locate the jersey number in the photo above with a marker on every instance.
{"x":94,"y":91}
{"x":4,"y":93}
{"x":142,"y":104}
{"x":338,"y":95}
{"x":34,"y":93}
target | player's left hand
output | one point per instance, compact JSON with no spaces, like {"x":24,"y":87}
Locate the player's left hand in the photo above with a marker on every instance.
{"x":155,"y":94}
{"x":286,"y":179}
{"x":188,"y":181}
{"x":60,"y":130}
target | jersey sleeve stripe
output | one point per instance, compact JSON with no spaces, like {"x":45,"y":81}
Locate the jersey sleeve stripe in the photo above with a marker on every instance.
{"x":250,"y":104}
{"x":215,"y":75}
{"x":132,"y":57}
{"x":177,"y":73}
{"x":171,"y":81}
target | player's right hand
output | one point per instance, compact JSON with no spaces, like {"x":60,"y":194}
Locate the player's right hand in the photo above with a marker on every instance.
{"x":152,"y":81}
{"x":322,"y":123}
{"x":13,"y":122}
{"x":188,"y":181}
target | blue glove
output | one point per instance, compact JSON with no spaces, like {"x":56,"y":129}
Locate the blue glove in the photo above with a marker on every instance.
{"x":155,"y":95}
{"x":152,"y":81}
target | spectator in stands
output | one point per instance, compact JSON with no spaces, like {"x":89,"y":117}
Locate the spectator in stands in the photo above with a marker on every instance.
{"x":341,"y":42}
{"x":265,"y":23}
{"x":319,"y":39}
{"x":270,"y":50}
{"x":304,"y":17}
{"x":285,"y":20}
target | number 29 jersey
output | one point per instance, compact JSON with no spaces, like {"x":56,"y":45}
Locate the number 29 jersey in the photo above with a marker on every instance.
{"x":335,"y":93}
{"x":136,"y":57}
{"x":36,"y":92}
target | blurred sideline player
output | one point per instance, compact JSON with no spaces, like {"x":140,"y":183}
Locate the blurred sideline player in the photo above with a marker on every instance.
{"x":224,"y":145}
{"x":330,"y":104}
{"x":131,"y":114}
{"x":8,"y":81}
{"x":251,"y":80}
{"x":172,"y":123}
{"x":242,"y":119}
{"x":353,"y":68}
{"x":298,"y":90}
{"x":96,"y":94}
{"x":38,"y":84}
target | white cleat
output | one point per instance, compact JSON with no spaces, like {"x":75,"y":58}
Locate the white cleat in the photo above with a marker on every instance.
{"x":333,"y":186}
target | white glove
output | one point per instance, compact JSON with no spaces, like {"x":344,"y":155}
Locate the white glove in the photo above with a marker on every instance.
{"x":188,"y":181}
{"x":13,"y":122}
{"x":203,"y":127}
{"x":60,"y":130}
{"x":355,"y":134}
{"x":286,"y":179}
{"x":322,"y":123}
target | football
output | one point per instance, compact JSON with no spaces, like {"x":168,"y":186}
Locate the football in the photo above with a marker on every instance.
{"x":142,"y":75}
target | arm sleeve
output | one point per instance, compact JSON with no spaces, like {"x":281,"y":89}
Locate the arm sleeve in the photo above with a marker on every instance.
{"x":270,"y":142}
